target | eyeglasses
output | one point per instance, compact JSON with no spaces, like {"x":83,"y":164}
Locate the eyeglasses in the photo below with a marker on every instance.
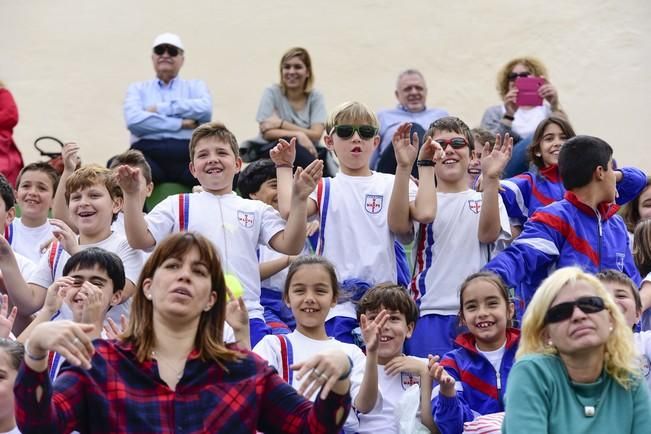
{"x":171,"y":50}
{"x":346,"y":131}
{"x":563,"y":311}
{"x":455,"y":142}
{"x":513,"y":75}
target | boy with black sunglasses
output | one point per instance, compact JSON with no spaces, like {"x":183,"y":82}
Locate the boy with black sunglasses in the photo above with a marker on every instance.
{"x":363,"y":213}
{"x":582,"y":230}
{"x":459,"y":242}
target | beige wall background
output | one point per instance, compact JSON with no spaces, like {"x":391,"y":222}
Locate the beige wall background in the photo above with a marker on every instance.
{"x":68,"y":62}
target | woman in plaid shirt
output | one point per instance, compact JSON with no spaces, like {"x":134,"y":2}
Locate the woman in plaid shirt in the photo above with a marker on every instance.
{"x":171,"y":371}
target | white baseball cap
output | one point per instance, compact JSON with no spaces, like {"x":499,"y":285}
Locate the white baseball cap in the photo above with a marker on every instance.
{"x":168,"y":38}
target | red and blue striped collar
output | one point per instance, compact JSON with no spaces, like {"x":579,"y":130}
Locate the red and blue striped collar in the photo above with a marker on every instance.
{"x":551,"y":172}
{"x":606,"y":210}
{"x":467,"y":340}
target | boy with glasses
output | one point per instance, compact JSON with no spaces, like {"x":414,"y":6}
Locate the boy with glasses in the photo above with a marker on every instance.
{"x":161,"y":113}
{"x":362,"y":213}
{"x":460,"y":240}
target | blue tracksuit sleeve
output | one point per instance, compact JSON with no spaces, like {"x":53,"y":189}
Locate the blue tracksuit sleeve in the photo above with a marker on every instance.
{"x":451,"y":413}
{"x":516,"y":194}
{"x":530,"y":255}
{"x":631,"y":185}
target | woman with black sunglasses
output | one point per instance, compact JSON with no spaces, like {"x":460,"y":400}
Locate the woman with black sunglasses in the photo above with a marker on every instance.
{"x":576,"y":370}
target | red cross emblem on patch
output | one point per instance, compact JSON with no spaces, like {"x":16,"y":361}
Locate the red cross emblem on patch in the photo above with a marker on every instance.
{"x":409,"y":379}
{"x":475,"y":206}
{"x":373,"y":203}
{"x":246,"y":219}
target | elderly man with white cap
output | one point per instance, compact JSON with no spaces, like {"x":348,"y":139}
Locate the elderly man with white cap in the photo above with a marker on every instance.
{"x":161,"y":113}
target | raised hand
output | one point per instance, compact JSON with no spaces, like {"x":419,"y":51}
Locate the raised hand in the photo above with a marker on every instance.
{"x":323,"y":369}
{"x":66,"y":338}
{"x":92,"y":312}
{"x":113,"y":331}
{"x":494,"y":161}
{"x":438,"y":373}
{"x":66,"y":236}
{"x":56,"y":293}
{"x":236,"y":314}
{"x":405,"y":147}
{"x":510,"y":101}
{"x":406,"y":364}
{"x":549,"y":93}
{"x":306,"y":180}
{"x":6,"y":318}
{"x":128,"y":178}
{"x":371,"y":330}
{"x":70,"y":155}
{"x":431,"y":150}
{"x":284,"y":153}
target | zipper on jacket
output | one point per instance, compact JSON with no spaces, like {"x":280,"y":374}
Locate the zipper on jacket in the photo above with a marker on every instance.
{"x":600,"y":236}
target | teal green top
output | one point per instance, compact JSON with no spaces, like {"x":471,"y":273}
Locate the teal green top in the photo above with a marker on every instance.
{"x":542,"y":399}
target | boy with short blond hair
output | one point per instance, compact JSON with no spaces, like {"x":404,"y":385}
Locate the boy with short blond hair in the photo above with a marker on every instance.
{"x":35,"y":189}
{"x":362,"y":213}
{"x":235,"y":225}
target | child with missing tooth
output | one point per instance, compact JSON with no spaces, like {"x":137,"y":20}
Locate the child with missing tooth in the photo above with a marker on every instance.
{"x":362,"y":213}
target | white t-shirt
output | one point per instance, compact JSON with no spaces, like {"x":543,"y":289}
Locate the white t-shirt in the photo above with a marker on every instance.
{"x":448,"y":250}
{"x":132,"y":260}
{"x":303,"y":348}
{"x":642,"y":342}
{"x":494,"y":357}
{"x":236,"y":226}
{"x":27,"y":241}
{"x":382,"y":419}
{"x":527,"y":118}
{"x":25,"y":266}
{"x":356,"y":236}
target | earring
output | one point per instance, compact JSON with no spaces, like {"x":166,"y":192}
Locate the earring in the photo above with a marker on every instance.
{"x":538,"y":154}
{"x":550,"y":343}
{"x":148,"y":296}
{"x":207,"y":308}
{"x":610,"y":329}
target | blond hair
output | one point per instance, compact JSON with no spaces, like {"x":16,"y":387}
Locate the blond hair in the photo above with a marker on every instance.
{"x":534,"y":66}
{"x":351,"y":112}
{"x":619,"y":353}
{"x":304,"y":57}
{"x":216,"y":130}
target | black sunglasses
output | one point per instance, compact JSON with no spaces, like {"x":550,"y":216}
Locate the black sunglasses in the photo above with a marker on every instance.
{"x":563,"y":311}
{"x":171,"y":50}
{"x":346,"y":131}
{"x":513,"y":75}
{"x":456,"y":143}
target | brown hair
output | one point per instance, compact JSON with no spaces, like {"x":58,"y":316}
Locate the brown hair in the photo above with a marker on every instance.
{"x":14,"y":350}
{"x":41,"y":166}
{"x":391,"y":297}
{"x":453,"y":125}
{"x":491,"y":278}
{"x":302,"y":261}
{"x":534,"y":147}
{"x":92,"y":174}
{"x":631,"y":211}
{"x":621,"y":278}
{"x":133,"y":158}
{"x":642,"y":247}
{"x":209,"y":341}
{"x":483,"y":135}
{"x":215,"y":130}
{"x":534,"y":66}
{"x":304,"y":56}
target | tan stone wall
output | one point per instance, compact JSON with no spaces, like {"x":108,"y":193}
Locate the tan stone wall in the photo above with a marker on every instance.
{"x":69,"y":62}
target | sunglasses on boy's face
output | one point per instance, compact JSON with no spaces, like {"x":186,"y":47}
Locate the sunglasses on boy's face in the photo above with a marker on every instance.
{"x":456,"y":143}
{"x":346,"y":131}
{"x":171,"y":50}
{"x":513,"y":75}
{"x":563,"y":311}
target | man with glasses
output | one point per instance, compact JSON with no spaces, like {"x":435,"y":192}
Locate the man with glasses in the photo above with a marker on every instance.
{"x":161,"y":113}
{"x":411,"y":93}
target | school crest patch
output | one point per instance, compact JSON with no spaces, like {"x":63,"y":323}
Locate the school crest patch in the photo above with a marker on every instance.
{"x":409,"y":379}
{"x":246,"y":219}
{"x":373,"y":203}
{"x":474,"y":206}
{"x":619,"y":260}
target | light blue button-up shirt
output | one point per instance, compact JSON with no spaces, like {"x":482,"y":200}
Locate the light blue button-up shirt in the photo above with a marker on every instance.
{"x":175,"y":101}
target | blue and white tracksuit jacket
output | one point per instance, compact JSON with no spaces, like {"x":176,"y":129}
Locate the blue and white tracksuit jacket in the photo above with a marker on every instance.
{"x":565,"y":233}
{"x":483,"y":387}
{"x":525,"y":193}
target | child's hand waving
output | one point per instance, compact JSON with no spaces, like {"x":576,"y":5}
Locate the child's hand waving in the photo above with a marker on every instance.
{"x":438,"y":373}
{"x":284,"y":153}
{"x":6,"y":318}
{"x":371,"y":330}
{"x":493,"y":162}
{"x":405,"y":148}
{"x":305,"y":180}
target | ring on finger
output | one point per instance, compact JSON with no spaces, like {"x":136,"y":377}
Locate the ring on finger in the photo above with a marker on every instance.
{"x":324,"y":377}
{"x":316,"y":373}
{"x":75,"y":341}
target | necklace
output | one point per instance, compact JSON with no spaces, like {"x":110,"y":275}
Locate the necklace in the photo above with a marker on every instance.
{"x":589,"y":410}
{"x":178,"y":373}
